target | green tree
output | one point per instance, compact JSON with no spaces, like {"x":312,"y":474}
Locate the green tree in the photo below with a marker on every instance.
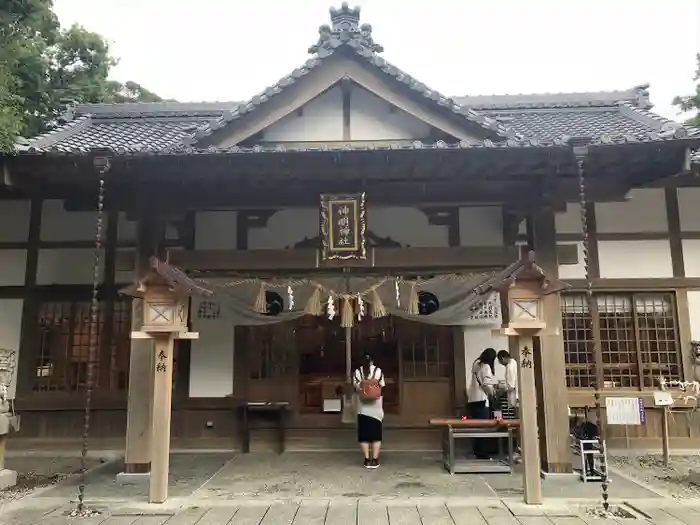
{"x":44,"y":67}
{"x":691,"y":102}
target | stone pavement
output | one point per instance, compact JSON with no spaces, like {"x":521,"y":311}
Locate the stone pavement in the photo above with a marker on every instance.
{"x":362,"y":511}
{"x":221,"y":488}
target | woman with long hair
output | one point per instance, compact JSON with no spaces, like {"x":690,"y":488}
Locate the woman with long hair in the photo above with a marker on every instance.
{"x":481,"y":394}
{"x":369,"y":382}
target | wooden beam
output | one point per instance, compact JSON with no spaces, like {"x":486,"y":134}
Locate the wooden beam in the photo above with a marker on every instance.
{"x":308,"y":259}
{"x":29,"y":331}
{"x":629,"y":285}
{"x":674,"y":231}
{"x":566,"y":253}
{"x":346,"y":88}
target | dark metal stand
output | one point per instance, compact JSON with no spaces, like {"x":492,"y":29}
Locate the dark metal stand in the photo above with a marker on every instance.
{"x":279,"y":409}
{"x":463,"y":465}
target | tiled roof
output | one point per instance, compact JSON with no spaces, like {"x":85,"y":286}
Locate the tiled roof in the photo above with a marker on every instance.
{"x":513,"y":120}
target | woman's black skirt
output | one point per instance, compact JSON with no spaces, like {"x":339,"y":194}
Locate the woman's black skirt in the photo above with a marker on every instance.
{"x":369,"y":429}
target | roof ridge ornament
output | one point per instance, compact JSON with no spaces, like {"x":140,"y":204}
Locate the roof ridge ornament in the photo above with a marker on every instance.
{"x":345,"y":29}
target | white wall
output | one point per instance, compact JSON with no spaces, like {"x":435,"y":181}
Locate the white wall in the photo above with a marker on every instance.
{"x":211,"y":361}
{"x":688,"y":209}
{"x":215,"y":230}
{"x":14,"y":220}
{"x":12,"y":267}
{"x":58,"y":224}
{"x":66,"y":266}
{"x":694,"y":310}
{"x":644,"y":211}
{"x":408,"y":226}
{"x":481,"y":226}
{"x":635,"y":259}
{"x":371,"y":118}
{"x":691,"y":257}
{"x":10,"y":328}
{"x":320,"y":120}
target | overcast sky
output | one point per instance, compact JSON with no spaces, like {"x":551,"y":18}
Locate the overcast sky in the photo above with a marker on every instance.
{"x":232,"y":49}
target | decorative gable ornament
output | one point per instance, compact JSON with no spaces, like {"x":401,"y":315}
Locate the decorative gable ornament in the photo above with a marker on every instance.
{"x":165,"y":291}
{"x":345,"y":30}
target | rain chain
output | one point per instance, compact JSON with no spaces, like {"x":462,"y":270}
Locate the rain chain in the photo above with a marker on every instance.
{"x":94,"y":314}
{"x":591,"y":309}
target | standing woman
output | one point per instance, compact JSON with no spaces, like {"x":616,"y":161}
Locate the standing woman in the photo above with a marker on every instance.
{"x":369,"y":382}
{"x":480,"y":394}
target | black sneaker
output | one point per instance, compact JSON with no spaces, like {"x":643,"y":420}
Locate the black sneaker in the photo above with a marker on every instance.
{"x":368,"y":463}
{"x":374,"y":463}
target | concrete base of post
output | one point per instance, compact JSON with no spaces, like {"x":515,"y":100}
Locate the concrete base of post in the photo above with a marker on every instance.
{"x":133,"y":478}
{"x":8,"y":478}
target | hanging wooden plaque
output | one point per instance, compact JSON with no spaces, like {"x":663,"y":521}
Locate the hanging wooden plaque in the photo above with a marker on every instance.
{"x":343,"y":227}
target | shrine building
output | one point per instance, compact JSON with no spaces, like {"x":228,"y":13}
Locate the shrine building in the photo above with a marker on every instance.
{"x":440,"y":187}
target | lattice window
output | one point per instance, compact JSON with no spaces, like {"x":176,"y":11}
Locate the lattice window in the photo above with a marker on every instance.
{"x":66,"y":346}
{"x":426,"y":350}
{"x":638,"y":339}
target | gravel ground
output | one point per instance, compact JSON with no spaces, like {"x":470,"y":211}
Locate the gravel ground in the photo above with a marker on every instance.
{"x":37,"y":472}
{"x":681,"y":479}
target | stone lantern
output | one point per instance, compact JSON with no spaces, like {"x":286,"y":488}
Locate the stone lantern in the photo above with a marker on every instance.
{"x":165,"y":292}
{"x":524,"y":288}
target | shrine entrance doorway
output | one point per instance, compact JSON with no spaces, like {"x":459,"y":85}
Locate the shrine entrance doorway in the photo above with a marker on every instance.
{"x":303,"y":362}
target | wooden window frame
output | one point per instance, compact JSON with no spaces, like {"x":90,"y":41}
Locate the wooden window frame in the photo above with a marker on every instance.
{"x":106,"y":353}
{"x":592,"y":321}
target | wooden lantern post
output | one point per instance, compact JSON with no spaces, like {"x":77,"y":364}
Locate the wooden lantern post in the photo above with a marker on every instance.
{"x":165,"y":292}
{"x":525,"y":289}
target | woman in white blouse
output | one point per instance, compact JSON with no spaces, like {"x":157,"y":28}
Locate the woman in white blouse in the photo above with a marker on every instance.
{"x":480,"y":395}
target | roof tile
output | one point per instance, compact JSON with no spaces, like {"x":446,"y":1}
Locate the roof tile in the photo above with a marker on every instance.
{"x":524,"y":120}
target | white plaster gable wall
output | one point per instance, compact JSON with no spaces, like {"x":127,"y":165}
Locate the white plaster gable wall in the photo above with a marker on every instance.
{"x":10,"y":327}
{"x":319,"y":120}
{"x":211,"y":362}
{"x":644,"y":211}
{"x":480,"y":226}
{"x":372,"y":118}
{"x":409,"y":226}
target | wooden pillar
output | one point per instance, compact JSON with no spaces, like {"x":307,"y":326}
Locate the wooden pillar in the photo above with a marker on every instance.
{"x":528,"y":421}
{"x":551,"y":372}
{"x":162,"y":408}
{"x":137,"y":457}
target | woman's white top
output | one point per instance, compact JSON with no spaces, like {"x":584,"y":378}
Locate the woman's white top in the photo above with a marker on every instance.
{"x":481,"y":373}
{"x":512,"y":382}
{"x":374,"y":408}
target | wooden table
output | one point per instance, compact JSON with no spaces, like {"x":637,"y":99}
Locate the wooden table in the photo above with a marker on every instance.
{"x":472,"y":429}
{"x":278,"y":408}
